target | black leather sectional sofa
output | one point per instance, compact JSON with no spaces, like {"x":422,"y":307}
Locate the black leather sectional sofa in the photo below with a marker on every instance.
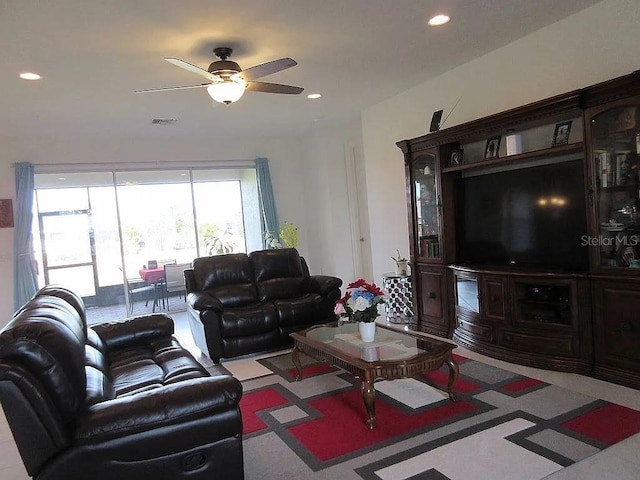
{"x":117,"y":401}
{"x":239,"y":304}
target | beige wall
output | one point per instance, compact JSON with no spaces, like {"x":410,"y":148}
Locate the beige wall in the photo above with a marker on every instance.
{"x":328,"y":220}
{"x":594,"y":45}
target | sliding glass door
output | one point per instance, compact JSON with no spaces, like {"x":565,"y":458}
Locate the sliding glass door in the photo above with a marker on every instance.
{"x":96,"y":231}
{"x":77,"y":238}
{"x":156,"y":218}
{"x":68,"y":245}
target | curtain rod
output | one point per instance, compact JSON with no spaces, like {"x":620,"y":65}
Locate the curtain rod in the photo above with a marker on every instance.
{"x":101,"y":167}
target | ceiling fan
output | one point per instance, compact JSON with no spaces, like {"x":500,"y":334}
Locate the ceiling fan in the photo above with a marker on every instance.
{"x":228,"y":82}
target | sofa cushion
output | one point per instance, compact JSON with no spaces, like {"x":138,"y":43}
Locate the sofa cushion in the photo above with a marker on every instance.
{"x":139,"y":368}
{"x":250,"y":320}
{"x":68,"y":296}
{"x":303,"y":310}
{"x":57,"y":310}
{"x":278,"y":273}
{"x":228,"y":278}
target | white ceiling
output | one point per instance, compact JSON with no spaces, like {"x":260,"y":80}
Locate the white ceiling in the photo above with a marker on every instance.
{"x":93,"y":55}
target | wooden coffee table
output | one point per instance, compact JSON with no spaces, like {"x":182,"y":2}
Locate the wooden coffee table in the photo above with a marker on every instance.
{"x":394,"y":354}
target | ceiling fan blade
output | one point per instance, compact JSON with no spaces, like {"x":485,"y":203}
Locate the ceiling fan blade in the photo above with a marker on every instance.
{"x":268,"y":68}
{"x":192,"y":68}
{"x":163,"y":89}
{"x":273,"y":88}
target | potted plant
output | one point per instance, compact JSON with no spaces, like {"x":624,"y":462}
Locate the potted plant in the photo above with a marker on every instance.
{"x":401,"y":264}
{"x":287,"y":237}
{"x":360,"y":304}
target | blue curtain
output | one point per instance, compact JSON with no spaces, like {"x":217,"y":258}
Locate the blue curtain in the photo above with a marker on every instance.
{"x":24,"y":274}
{"x":268,"y":210}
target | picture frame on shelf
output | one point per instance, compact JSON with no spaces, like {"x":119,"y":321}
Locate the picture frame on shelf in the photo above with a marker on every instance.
{"x":435,"y":121}
{"x":492,"y":147}
{"x":456,"y":158}
{"x":561,"y":133}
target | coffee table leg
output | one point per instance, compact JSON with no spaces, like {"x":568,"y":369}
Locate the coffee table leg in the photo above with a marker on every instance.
{"x":369,"y":397}
{"x":295,"y":357}
{"x":453,"y":375}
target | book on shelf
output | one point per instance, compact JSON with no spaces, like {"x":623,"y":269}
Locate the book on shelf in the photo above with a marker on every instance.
{"x":606,"y":170}
{"x":430,"y":247}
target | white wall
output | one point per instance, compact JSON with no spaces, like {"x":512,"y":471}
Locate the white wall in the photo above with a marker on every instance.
{"x":591,"y":46}
{"x":326,"y":203}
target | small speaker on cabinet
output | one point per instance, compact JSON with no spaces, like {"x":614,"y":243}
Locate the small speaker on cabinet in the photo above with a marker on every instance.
{"x":435,"y":121}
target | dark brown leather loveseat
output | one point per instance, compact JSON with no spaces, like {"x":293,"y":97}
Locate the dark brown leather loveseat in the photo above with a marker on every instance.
{"x":115,"y":401}
{"x":239,"y":304}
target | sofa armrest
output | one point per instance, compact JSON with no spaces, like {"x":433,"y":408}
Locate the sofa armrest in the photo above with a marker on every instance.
{"x":163,"y":407}
{"x":134,"y":330}
{"x":323,"y":284}
{"x":202,"y":301}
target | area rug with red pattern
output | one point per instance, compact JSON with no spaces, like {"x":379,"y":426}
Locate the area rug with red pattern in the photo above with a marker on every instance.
{"x":502,"y":426}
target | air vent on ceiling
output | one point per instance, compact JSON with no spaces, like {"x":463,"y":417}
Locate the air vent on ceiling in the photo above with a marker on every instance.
{"x":164,"y":121}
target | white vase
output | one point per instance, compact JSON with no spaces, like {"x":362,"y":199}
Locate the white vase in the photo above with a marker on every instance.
{"x":367,"y":331}
{"x":402,"y":267}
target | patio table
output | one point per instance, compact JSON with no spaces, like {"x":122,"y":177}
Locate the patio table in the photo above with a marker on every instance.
{"x":155,"y":277}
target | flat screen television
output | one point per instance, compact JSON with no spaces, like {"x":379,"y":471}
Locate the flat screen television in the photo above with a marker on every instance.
{"x":532,"y":217}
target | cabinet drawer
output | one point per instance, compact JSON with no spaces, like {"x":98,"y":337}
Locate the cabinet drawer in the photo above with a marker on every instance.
{"x":470,"y":328}
{"x":562,"y":345}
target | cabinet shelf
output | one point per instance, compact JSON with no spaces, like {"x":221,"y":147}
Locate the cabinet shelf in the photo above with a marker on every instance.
{"x":537,"y":154}
{"x":620,"y":188}
{"x":528,"y":301}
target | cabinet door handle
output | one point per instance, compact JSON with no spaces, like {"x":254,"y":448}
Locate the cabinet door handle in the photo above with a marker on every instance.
{"x":493,"y":298}
{"x":626,"y":326}
{"x":431,"y":295}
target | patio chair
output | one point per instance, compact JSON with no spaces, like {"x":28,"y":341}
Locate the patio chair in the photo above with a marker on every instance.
{"x":174,"y":279}
{"x":133,"y":291}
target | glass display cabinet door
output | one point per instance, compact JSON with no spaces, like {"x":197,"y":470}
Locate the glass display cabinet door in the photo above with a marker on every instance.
{"x":615,"y":137}
{"x":427,"y":215}
{"x":467,"y":293}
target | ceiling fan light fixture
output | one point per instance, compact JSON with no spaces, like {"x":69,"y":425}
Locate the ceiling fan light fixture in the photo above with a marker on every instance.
{"x":438,"y":20}
{"x":229,"y":90}
{"x":29,"y":76}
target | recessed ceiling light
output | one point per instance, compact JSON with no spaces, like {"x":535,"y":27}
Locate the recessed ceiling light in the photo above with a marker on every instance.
{"x":438,"y":20}
{"x":313,"y":95}
{"x":30,"y":76}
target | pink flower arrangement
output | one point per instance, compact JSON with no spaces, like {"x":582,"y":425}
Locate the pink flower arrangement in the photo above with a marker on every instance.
{"x":360,"y":302}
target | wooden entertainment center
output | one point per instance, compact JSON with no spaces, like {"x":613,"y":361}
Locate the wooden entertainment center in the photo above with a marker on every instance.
{"x":525,"y":232}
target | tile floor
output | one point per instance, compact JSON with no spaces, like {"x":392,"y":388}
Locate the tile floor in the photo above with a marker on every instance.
{"x":619,"y":462}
